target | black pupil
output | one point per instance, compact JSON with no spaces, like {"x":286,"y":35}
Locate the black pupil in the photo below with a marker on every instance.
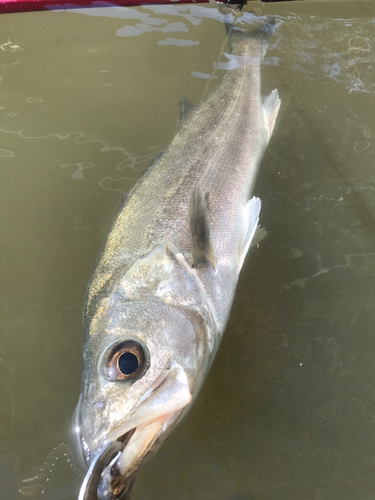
{"x":128,"y":363}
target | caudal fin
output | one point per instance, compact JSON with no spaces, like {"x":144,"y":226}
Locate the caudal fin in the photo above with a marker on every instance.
{"x":253,"y":40}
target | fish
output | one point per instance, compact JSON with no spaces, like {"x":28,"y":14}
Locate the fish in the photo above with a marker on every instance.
{"x":160,"y":295}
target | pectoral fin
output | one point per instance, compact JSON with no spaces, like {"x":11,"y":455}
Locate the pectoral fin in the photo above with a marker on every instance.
{"x":251,"y":219}
{"x":200,"y":230}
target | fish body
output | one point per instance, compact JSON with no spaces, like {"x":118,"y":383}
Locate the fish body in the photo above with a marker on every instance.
{"x":162,"y":289}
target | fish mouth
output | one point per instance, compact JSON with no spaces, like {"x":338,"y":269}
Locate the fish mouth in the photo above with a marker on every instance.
{"x":133,"y":446}
{"x":120,"y":452}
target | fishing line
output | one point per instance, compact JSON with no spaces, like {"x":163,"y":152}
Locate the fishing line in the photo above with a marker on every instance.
{"x":226,"y":22}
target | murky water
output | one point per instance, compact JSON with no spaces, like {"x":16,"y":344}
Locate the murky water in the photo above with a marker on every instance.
{"x":87,"y":99}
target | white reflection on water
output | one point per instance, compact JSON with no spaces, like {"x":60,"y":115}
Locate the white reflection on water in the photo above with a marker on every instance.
{"x":192,"y":13}
{"x":179,"y":42}
{"x":10,"y":47}
{"x":139,"y":29}
{"x":78,"y":174}
{"x":120,"y":158}
{"x":199,"y":74}
{"x":6,"y":154}
{"x":304,"y":44}
{"x":347,"y":57}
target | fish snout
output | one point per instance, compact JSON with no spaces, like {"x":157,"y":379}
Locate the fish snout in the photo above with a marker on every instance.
{"x":121,"y":451}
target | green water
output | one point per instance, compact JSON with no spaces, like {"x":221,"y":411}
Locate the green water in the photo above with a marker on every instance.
{"x":88,"y":98}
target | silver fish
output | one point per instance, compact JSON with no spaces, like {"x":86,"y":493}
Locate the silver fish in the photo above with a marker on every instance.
{"x":162,"y":289}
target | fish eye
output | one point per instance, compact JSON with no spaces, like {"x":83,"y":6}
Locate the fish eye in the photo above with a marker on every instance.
{"x":128,"y":363}
{"x":124,"y":361}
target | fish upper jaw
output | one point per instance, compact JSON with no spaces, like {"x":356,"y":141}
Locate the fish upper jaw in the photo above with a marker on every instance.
{"x":79,"y":445}
{"x":154,"y":416}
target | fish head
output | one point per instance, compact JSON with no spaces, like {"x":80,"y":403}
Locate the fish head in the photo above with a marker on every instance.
{"x":143,"y":363}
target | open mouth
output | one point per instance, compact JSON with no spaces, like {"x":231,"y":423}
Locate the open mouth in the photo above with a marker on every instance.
{"x":111,"y":472}
{"x":135,"y":445}
{"x":121,"y":450}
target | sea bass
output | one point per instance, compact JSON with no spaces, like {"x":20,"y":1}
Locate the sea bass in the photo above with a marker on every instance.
{"x":162,"y":289}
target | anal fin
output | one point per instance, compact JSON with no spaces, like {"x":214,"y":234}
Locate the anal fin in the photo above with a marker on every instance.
{"x":251,"y":219}
{"x":200,"y":230}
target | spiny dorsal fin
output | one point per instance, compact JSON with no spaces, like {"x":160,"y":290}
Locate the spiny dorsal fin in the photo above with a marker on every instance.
{"x":200,"y":230}
{"x":186,"y":107}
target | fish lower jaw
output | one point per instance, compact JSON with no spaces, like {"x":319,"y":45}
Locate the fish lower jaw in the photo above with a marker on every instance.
{"x":116,"y":476}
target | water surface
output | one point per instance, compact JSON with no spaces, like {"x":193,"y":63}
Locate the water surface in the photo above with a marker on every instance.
{"x":88,"y":98}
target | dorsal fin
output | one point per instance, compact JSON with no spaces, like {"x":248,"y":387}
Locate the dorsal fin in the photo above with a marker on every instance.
{"x":186,"y":107}
{"x":200,"y":230}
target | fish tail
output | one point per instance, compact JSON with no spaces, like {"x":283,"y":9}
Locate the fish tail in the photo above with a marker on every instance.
{"x":253,"y":40}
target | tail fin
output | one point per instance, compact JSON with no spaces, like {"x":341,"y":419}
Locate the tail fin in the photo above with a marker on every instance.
{"x":255,"y":40}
